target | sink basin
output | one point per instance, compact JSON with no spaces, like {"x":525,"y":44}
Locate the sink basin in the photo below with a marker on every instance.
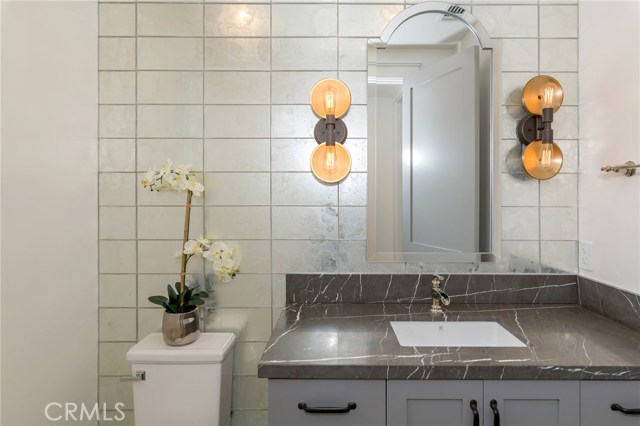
{"x":454,"y":333}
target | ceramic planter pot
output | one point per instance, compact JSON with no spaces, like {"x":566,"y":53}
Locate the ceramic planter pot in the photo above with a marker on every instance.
{"x":180,"y":329}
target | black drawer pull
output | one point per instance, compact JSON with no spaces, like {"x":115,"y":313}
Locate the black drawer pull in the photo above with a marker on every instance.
{"x":474,"y":409}
{"x":496,"y":414}
{"x":630,"y":411}
{"x":327,"y":410}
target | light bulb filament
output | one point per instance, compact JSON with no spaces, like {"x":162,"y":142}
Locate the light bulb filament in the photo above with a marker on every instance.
{"x":330,"y":159}
{"x":330,"y":101}
{"x":546,"y":155}
{"x":548,"y":95}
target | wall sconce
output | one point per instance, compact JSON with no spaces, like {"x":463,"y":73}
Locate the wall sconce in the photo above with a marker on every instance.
{"x":330,"y":100}
{"x":542,"y":158}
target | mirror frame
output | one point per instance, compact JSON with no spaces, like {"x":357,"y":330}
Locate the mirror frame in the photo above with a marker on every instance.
{"x":486,"y":43}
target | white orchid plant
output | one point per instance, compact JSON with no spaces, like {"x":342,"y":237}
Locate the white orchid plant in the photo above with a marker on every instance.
{"x":224,"y":261}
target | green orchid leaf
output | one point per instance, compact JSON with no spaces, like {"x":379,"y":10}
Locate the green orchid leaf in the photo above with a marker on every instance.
{"x":203,"y":294}
{"x":158,"y":300}
{"x":172,"y":308}
{"x":196,"y":301}
{"x":173,"y":296}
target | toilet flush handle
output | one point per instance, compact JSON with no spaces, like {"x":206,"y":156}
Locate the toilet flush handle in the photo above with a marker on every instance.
{"x":140,"y":376}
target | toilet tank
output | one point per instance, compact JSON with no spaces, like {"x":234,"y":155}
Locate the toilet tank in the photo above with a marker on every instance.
{"x":183,"y":385}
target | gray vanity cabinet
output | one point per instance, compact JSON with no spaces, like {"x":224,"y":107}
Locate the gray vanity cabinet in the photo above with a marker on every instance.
{"x":532,"y":403}
{"x":516,"y":403}
{"x":326,"y":402}
{"x":598,"y":396}
{"x":432,"y":403}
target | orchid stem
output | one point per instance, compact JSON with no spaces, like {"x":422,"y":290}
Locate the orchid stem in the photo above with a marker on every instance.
{"x":185,"y":237}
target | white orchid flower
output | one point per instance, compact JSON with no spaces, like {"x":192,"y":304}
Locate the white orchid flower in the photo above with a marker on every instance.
{"x":193,"y":186}
{"x":166,"y":167}
{"x":192,"y":247}
{"x":217,"y":248}
{"x":203,"y":241}
{"x":149,"y":179}
{"x":183,"y":169}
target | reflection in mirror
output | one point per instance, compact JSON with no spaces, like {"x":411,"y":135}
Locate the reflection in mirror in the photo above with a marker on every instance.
{"x":432,"y":129}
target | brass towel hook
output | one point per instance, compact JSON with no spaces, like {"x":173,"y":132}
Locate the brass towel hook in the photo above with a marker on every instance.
{"x":628,"y":168}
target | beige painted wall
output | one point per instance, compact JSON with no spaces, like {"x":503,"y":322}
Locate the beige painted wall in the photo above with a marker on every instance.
{"x":49,"y":213}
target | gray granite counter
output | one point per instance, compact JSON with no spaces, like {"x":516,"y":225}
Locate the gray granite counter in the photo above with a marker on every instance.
{"x":356,"y":341}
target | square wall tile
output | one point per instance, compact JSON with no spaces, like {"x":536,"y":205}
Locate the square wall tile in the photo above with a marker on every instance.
{"x":244,"y":291}
{"x":520,"y":223}
{"x":520,"y":54}
{"x":237,"y":88}
{"x":117,"y":19}
{"x":163,"y":257}
{"x":112,"y":391}
{"x":352,"y":223}
{"x":238,"y":189}
{"x":237,"y":121}
{"x":558,"y":55}
{"x":278,"y":290}
{"x":293,"y":87}
{"x":166,"y":53}
{"x":236,"y":155}
{"x":117,"y":324}
{"x":519,"y":190}
{"x":306,"y":20}
{"x":559,"y":21}
{"x":117,"y":87}
{"x":254,"y":255}
{"x":117,"y":121}
{"x":319,"y":54}
{"x":117,"y":155}
{"x":521,"y":257}
{"x":117,"y":290}
{"x":170,"y":121}
{"x":117,"y":53}
{"x":559,"y":256}
{"x":352,"y":54}
{"x":237,"y":20}
{"x":304,"y":223}
{"x":153,"y":152}
{"x":300,"y":189}
{"x":292,"y":155}
{"x":508,"y":20}
{"x":117,"y":223}
{"x":170,"y":87}
{"x":512,"y":85}
{"x":565,"y":123}
{"x":170,"y":20}
{"x":311,"y":256}
{"x":251,"y":223}
{"x":559,"y":223}
{"x":245,"y":359}
{"x":152,"y":284}
{"x":365,"y":20}
{"x":561,"y":191}
{"x":113,"y":359}
{"x":248,"y":324}
{"x":149,"y":321}
{"x":117,"y":257}
{"x":249,"y":393}
{"x":166,"y":223}
{"x":357,"y":83}
{"x":292,"y":121}
{"x":117,"y":189}
{"x":241,"y":54}
{"x":352,"y":191}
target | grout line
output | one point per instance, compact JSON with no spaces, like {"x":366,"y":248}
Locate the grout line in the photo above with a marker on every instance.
{"x":99,"y":210}
{"x":135,"y":159}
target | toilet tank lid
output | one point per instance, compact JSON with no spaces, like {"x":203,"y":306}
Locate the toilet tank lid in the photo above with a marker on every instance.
{"x":210,"y":348}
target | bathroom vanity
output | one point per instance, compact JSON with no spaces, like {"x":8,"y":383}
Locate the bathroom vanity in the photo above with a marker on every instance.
{"x":342,"y":364}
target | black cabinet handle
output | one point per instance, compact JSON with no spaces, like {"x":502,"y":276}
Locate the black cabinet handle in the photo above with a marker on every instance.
{"x":630,"y":411}
{"x":327,"y":410}
{"x":496,"y":414}
{"x":474,"y":409}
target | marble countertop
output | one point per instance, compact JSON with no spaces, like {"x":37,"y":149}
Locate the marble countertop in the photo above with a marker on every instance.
{"x":356,"y":341}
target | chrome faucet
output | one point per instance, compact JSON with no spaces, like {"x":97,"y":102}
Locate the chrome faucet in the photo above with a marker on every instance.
{"x":437,"y":295}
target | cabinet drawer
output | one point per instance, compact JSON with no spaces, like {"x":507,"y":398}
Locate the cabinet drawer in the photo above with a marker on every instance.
{"x":596,"y":398}
{"x":286,"y":395}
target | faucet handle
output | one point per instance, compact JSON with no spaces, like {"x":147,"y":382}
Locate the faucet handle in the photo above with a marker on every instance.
{"x":436,"y":279}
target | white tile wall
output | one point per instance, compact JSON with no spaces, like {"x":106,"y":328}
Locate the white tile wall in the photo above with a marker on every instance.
{"x":223,"y":85}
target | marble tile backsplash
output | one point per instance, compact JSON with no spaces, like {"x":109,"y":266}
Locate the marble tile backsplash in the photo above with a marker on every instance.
{"x":223,"y":85}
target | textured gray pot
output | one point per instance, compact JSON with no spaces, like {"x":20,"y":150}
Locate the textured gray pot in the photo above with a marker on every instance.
{"x":180,"y":329}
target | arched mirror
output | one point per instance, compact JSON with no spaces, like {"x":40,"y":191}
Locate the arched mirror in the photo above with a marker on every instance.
{"x":433,"y":124}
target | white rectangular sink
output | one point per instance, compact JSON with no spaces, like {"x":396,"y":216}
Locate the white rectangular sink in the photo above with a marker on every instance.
{"x":454,"y":333}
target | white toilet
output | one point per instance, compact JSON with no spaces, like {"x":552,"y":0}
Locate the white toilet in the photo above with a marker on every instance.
{"x":182,"y":385}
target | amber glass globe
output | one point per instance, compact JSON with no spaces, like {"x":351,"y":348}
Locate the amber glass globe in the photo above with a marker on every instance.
{"x":330,"y":164}
{"x":534,"y":162}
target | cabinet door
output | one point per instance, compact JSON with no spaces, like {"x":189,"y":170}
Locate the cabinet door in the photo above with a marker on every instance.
{"x":432,"y":402}
{"x":532,"y":402}
{"x":322,"y":399}
{"x":597,"y":397}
